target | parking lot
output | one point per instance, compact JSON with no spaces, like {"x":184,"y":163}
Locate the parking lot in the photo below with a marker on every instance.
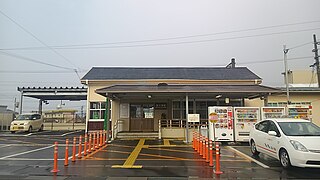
{"x":30,"y":156}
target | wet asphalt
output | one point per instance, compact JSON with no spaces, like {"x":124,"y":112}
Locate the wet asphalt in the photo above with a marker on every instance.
{"x":30,"y":156}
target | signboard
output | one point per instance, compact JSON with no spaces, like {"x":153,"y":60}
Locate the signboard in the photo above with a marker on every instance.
{"x":124,"y":110}
{"x":160,"y":106}
{"x":213,"y":117}
{"x":193,"y":117}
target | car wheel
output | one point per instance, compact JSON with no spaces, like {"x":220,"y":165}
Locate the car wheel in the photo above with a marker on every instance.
{"x":254,"y":148}
{"x":41,"y":128}
{"x":30,"y":129}
{"x":284,"y":159}
{"x":13,"y":132}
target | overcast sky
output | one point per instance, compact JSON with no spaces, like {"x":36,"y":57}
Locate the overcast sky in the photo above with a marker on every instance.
{"x":42,"y":41}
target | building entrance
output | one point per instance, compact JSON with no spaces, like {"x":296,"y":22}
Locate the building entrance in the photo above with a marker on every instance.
{"x":141,"y":117}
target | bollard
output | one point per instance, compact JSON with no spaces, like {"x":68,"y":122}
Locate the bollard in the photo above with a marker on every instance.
{"x":80,"y":147}
{"x":217,"y":171}
{"x":193,"y":140}
{"x":204,"y":147}
{"x":101,"y":139}
{"x":89,"y":148}
{"x":210,"y":154}
{"x":85,"y":145}
{"x":94,"y":141}
{"x":207,"y":150}
{"x":74,"y":149}
{"x":199,"y":139}
{"x":55,"y":158}
{"x":97,"y":140}
{"x":104,"y":137}
{"x":200,"y":144}
{"x":66,"y":157}
{"x":196,"y":143}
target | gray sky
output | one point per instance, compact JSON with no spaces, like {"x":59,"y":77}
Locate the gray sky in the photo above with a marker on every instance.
{"x":148,"y":33}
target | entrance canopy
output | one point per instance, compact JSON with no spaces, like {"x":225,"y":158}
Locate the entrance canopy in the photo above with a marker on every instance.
{"x":55,"y":93}
{"x":161,"y":90}
{"x":52,"y":93}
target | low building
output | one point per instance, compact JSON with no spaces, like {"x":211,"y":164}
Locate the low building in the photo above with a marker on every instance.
{"x":6,"y":117}
{"x":304,"y":96}
{"x":133,"y":99}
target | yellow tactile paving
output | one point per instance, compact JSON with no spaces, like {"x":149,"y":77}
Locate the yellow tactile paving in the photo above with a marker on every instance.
{"x":129,"y":163}
{"x":166,"y":142}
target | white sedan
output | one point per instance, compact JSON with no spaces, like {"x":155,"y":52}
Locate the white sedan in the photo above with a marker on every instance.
{"x":294,"y":142}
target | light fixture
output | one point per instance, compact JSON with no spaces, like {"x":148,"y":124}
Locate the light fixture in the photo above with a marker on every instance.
{"x":218,"y":96}
{"x":227,"y":100}
{"x":149,"y":96}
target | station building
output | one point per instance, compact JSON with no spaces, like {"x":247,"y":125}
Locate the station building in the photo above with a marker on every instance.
{"x":158,"y":99}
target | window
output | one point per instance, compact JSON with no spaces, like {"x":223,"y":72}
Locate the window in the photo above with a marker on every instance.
{"x":141,"y":110}
{"x":263,"y":126}
{"x":273,"y":127}
{"x":97,"y":110}
{"x":179,"y":109}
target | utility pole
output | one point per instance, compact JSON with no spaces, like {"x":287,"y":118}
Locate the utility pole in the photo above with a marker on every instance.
{"x":316,"y":57}
{"x":15,"y":105}
{"x":285,"y":51}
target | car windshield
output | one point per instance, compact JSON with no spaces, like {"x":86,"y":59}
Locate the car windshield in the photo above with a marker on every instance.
{"x":24,"y":117}
{"x":299,"y":128}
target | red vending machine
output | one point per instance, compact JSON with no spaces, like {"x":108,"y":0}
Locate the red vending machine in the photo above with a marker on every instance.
{"x":223,"y":128}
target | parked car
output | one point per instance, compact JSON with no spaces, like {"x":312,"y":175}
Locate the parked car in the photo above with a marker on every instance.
{"x":27,"y":122}
{"x":293,"y":142}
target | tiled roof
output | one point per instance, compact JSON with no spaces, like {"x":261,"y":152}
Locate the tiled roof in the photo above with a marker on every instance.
{"x":190,"y":73}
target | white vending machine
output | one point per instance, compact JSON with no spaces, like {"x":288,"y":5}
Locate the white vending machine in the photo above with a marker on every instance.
{"x":272,"y":112}
{"x":244,"y":119}
{"x":300,"y":111}
{"x":222,"y":129}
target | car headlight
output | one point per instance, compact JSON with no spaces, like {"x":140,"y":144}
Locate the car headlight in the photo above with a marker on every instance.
{"x":26,"y":123}
{"x":298,"y":146}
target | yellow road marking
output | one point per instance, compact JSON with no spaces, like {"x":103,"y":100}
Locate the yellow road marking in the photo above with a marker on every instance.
{"x":92,"y":153}
{"x":148,"y":159}
{"x":129,"y":163}
{"x":117,"y":145}
{"x":172,"y":150}
{"x":166,"y":142}
{"x":161,"y":156}
{"x":155,"y":146}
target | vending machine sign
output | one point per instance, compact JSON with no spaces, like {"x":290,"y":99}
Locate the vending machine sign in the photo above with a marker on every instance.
{"x":213,"y":117}
{"x":220,"y":123}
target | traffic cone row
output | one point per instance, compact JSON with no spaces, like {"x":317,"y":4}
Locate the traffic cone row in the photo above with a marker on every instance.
{"x":96,"y":140}
{"x":204,"y":147}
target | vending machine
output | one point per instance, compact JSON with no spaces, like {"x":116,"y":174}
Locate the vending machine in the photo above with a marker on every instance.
{"x":222,"y":128}
{"x":244,"y":119}
{"x":300,"y":111}
{"x":272,"y":112}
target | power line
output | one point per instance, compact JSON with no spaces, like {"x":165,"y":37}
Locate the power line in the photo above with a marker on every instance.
{"x":191,"y":42}
{"x":33,"y":60}
{"x":275,"y":60}
{"x":298,"y":46}
{"x":31,"y":34}
{"x":169,"y":38}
